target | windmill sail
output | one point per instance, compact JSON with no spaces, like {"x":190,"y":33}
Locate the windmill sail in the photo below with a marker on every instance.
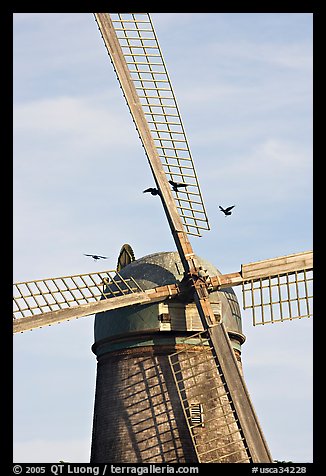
{"x":275,"y":290}
{"x":49,"y":301}
{"x":135,"y":53}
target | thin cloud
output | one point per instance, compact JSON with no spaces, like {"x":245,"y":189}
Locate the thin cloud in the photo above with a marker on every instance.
{"x":274,"y":170}
{"x":292,"y":56}
{"x":52,"y":451}
{"x":70,"y":117}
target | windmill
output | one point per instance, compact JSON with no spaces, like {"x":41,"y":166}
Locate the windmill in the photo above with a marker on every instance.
{"x":33,"y":297}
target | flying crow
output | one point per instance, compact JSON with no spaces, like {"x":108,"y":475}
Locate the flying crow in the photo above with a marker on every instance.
{"x":226,"y":211}
{"x":96,"y":257}
{"x":176,"y":185}
{"x":152,"y":191}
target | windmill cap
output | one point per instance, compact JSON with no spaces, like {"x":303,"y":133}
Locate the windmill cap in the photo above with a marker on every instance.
{"x":142,"y":324}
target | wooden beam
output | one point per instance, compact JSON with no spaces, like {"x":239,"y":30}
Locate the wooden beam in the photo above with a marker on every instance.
{"x":264,"y":269}
{"x":278,"y":266}
{"x":249,"y":423}
{"x":226,"y":280}
{"x":54,"y":317}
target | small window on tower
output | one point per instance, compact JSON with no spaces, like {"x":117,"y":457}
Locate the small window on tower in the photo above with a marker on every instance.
{"x":196,"y":414}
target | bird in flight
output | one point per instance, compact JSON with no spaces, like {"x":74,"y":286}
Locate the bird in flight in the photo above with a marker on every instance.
{"x":152,"y":191}
{"x":96,"y":257}
{"x":176,"y":185}
{"x":226,"y":211}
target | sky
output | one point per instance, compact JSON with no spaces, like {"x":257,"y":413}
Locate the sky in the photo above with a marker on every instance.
{"x":243,"y":84}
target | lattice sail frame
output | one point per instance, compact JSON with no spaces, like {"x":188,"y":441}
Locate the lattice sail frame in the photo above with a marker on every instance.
{"x":32,"y":298}
{"x":279,"y":289}
{"x":279,"y":298}
{"x":142,"y":53}
{"x":275,"y":289}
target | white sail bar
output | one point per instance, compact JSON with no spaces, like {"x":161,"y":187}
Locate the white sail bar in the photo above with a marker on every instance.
{"x":149,"y":75}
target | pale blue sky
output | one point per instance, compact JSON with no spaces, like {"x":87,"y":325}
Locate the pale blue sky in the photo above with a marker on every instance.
{"x":243,"y":83}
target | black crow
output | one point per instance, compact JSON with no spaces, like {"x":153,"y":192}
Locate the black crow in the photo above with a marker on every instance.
{"x":96,"y":257}
{"x":152,"y":191}
{"x":226,"y":211}
{"x":176,"y":185}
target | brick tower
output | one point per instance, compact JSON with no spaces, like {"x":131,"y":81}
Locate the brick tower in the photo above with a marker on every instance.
{"x":159,"y":397}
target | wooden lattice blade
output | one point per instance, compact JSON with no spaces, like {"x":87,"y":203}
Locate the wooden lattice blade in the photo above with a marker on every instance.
{"x":138,"y":62}
{"x":53,"y":300}
{"x":121,"y":48}
{"x":276,"y":289}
